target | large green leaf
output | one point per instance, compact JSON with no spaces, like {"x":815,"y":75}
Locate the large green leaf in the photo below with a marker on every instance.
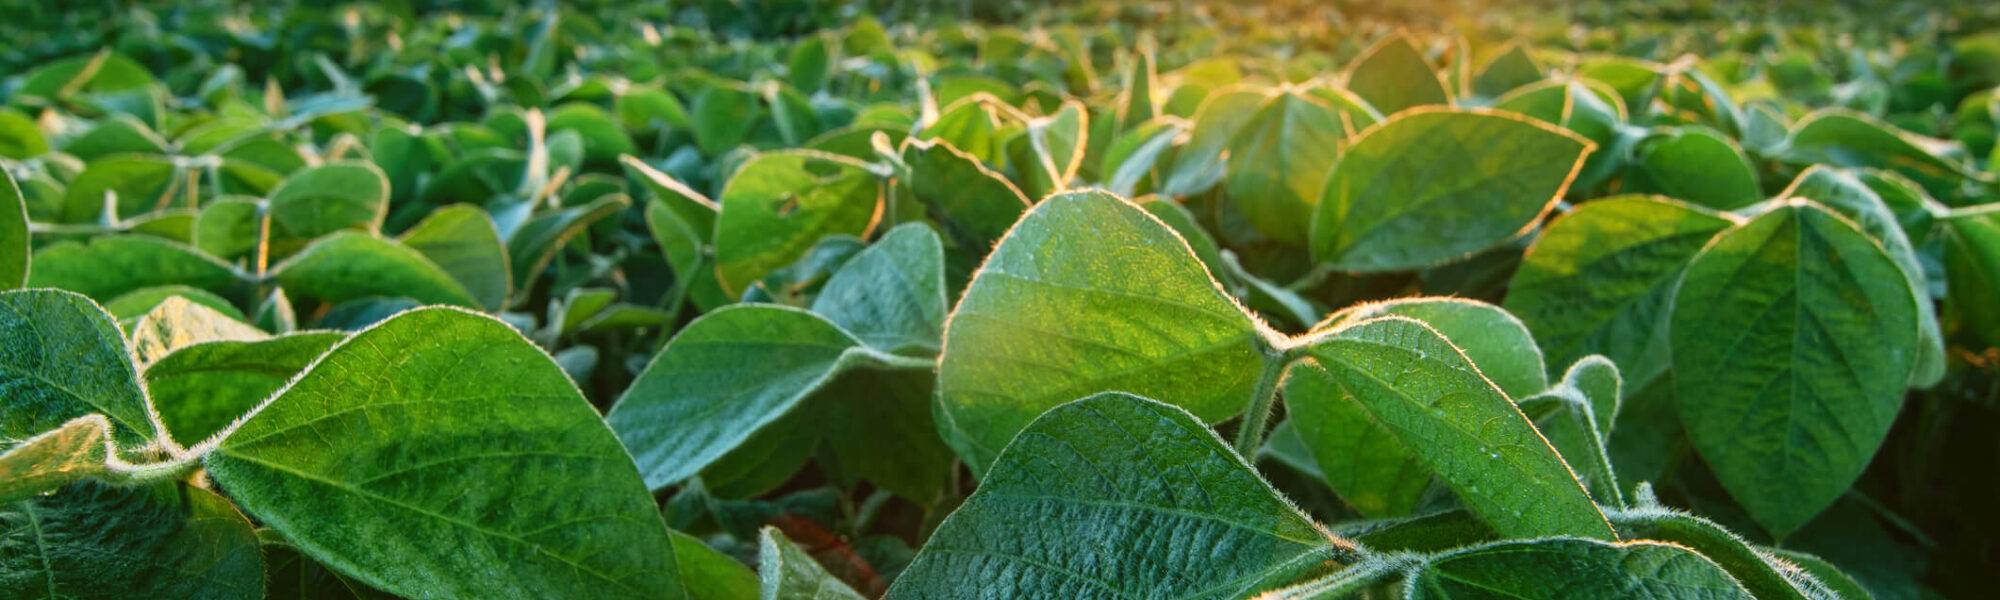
{"x":725,"y":376}
{"x":62,"y":357}
{"x":1425,"y":391}
{"x":200,"y":389}
{"x":1431,"y":186}
{"x":1573,"y":569}
{"x":462,"y":240}
{"x":1089,"y":293}
{"x":1694,"y":164}
{"x":1600,"y":280}
{"x":1392,"y":75}
{"x":351,"y":265}
{"x":891,"y":295}
{"x":1116,"y":496}
{"x":92,"y":541}
{"x":1847,"y":194}
{"x":112,"y":265}
{"x":1793,"y":339}
{"x":787,"y":572}
{"x":961,"y":192}
{"x":1278,"y":164}
{"x":381,"y":461}
{"x":14,"y":248}
{"x":316,"y":201}
{"x":780,"y":204}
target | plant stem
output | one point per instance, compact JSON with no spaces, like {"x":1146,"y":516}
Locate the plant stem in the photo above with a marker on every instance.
{"x":1262,"y":399}
{"x":1347,"y":582}
{"x":891,"y":360}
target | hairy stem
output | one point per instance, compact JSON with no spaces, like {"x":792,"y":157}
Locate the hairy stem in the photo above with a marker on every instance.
{"x":1757,"y":572}
{"x":1257,"y":417}
{"x":1351,"y":580}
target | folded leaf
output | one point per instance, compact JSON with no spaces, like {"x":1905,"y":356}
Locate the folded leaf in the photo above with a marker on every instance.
{"x":201,"y":389}
{"x":1424,"y":390}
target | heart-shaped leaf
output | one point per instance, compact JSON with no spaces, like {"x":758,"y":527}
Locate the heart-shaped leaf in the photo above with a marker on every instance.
{"x":1793,"y":338}
{"x":1089,"y":293}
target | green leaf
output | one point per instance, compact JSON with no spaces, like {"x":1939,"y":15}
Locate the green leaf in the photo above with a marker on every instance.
{"x":226,"y":227}
{"x":20,"y":137}
{"x":1695,"y":164}
{"x":140,"y":183}
{"x":1510,"y":70}
{"x":725,"y":376}
{"x":780,"y":204}
{"x":62,"y":357}
{"x":891,"y":295}
{"x":1118,"y":496}
{"x":1573,"y":568}
{"x":462,"y":240}
{"x":1496,"y":342}
{"x":1425,"y":391}
{"x":388,"y":477}
{"x":289,"y":575}
{"x":1972,"y":260}
{"x":1580,"y":108}
{"x":962,"y":192}
{"x":1849,"y":196}
{"x":350,"y":265}
{"x":1364,"y":461}
{"x":316,"y":201}
{"x":178,"y":323}
{"x":46,"y":462}
{"x":537,"y":241}
{"x":91,"y":541}
{"x":1793,"y":339}
{"x":110,"y":266}
{"x":786,"y":572}
{"x":1089,"y":293}
{"x":1048,"y":154}
{"x":1428,"y":187}
{"x":199,"y":390}
{"x":1201,"y":163}
{"x":604,"y":140}
{"x":14,"y":247}
{"x":1843,"y":138}
{"x":711,"y":575}
{"x":1600,"y":280}
{"x":1392,"y":75}
{"x":969,"y":124}
{"x":878,"y":427}
{"x":723,"y":115}
{"x":1279,"y":161}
